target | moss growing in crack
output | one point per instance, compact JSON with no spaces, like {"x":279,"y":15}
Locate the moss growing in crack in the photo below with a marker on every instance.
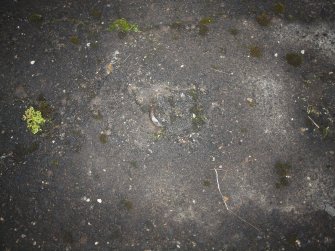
{"x":123,"y":25}
{"x":255,"y":51}
{"x":263,"y":19}
{"x":103,"y":138}
{"x":35,"y":18}
{"x":279,"y":8}
{"x":74,"y":40}
{"x":34,"y":120}
{"x":282,"y":170}
{"x":194,"y":94}
{"x":294,"y":59}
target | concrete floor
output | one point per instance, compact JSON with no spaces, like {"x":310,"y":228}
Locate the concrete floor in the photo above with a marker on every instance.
{"x":241,"y":89}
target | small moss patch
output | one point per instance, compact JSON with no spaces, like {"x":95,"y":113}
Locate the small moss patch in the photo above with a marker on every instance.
{"x":206,"y":183}
{"x":127,"y":204}
{"x":255,"y":51}
{"x":34,"y":120}
{"x":263,"y":19}
{"x":206,"y":20}
{"x":74,"y":40}
{"x":198,"y":117}
{"x":97,"y":115}
{"x":279,"y":8}
{"x":123,"y":25}
{"x":35,"y":18}
{"x":133,"y":164}
{"x":282,"y":170}
{"x":294,"y":59}
{"x":103,"y":138}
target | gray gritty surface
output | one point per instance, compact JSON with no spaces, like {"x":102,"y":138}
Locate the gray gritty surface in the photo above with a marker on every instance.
{"x":102,"y":176}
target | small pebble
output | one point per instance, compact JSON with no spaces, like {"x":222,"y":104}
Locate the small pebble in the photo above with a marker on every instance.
{"x":32,"y":62}
{"x":99,"y":201}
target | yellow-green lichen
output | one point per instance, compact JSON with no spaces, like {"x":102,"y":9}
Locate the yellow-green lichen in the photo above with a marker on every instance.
{"x":34,"y":120}
{"x":123,"y":25}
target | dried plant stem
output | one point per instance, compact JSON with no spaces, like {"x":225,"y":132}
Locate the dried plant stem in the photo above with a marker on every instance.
{"x":225,"y":199}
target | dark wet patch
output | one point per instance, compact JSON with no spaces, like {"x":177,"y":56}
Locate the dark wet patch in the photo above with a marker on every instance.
{"x":96,"y":13}
{"x":279,"y":8}
{"x":203,"y":30}
{"x":74,"y":40}
{"x":294,"y":59}
{"x":44,"y":107}
{"x":103,"y":138}
{"x":177,"y":25}
{"x":21,"y":150}
{"x":282,"y":170}
{"x":67,"y":237}
{"x":255,"y":51}
{"x":263,"y":19}
{"x":234,"y":31}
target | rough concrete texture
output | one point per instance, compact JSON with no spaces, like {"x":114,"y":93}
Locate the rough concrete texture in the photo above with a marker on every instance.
{"x":246,"y":88}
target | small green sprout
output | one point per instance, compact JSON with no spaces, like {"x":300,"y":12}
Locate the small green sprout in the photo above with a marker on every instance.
{"x":34,"y":120}
{"x":123,"y":25}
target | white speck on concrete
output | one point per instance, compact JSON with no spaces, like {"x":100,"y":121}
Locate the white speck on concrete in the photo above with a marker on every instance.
{"x":96,"y":243}
{"x":32,"y":62}
{"x":99,"y":201}
{"x":276,"y":54}
{"x":302,"y":52}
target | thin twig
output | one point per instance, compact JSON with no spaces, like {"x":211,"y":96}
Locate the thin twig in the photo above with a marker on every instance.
{"x":224,"y":199}
{"x":313,"y":122}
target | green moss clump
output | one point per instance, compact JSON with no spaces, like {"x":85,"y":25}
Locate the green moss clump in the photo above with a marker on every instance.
{"x":35,"y":18}
{"x":279,"y":8}
{"x":123,"y":25}
{"x":34,"y":120}
{"x":294,"y":59}
{"x":255,"y":52}
{"x":263,"y":19}
{"x":75,"y":40}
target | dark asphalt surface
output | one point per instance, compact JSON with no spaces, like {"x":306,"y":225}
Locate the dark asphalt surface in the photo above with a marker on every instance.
{"x":242,"y":88}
